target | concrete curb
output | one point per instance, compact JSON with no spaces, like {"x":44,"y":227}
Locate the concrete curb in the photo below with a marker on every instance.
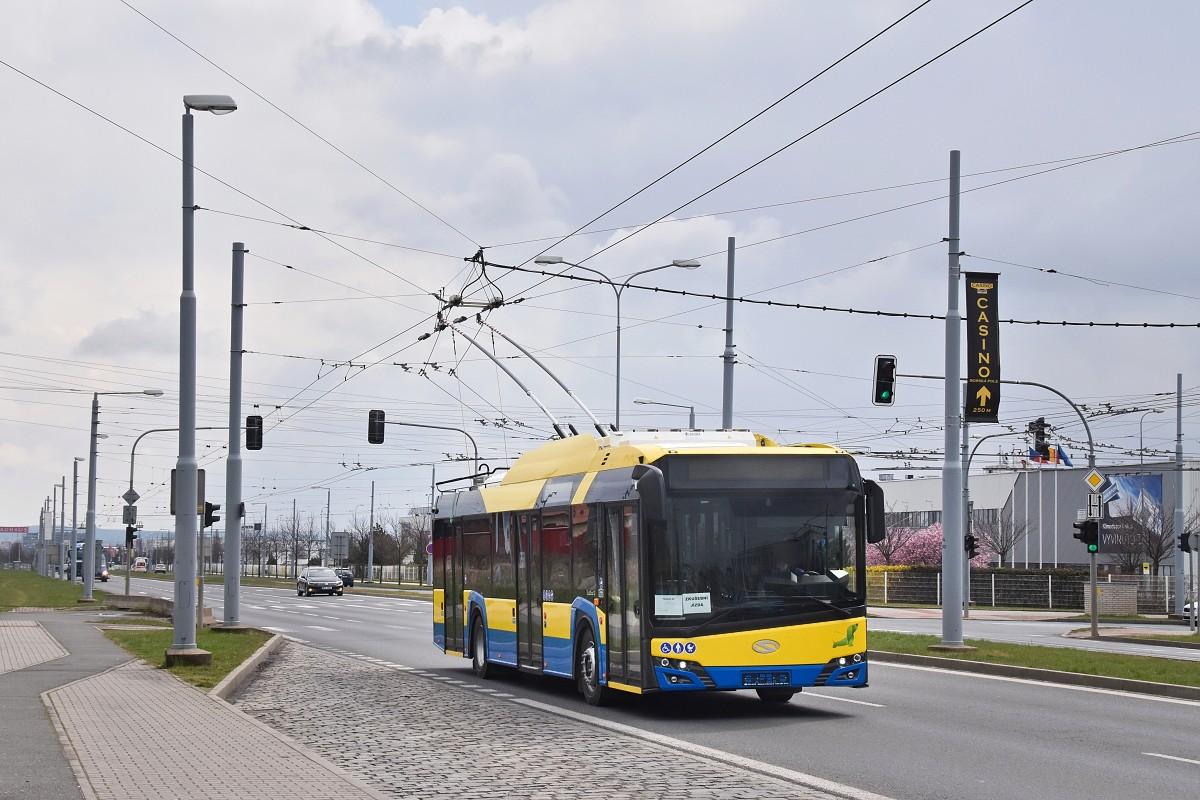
{"x":244,"y":672}
{"x":1151,"y":642}
{"x":1036,"y":674}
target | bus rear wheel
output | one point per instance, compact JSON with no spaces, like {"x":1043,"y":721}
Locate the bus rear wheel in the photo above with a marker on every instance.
{"x":479,"y":663}
{"x":775,"y":695}
{"x":588,"y":669}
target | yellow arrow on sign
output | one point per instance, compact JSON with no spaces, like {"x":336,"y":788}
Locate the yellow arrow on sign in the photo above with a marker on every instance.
{"x":983,"y":396}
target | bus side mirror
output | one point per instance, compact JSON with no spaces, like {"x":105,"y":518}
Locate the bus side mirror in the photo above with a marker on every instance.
{"x":652,"y":489}
{"x":876,"y":526}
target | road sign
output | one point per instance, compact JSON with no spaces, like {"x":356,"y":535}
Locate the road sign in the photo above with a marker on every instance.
{"x":339,"y":545}
{"x":199,"y":492}
{"x":1080,"y":514}
{"x":131,"y":496}
{"x":1094,"y":479}
{"x":982,"y":402}
{"x":1094,"y":506}
{"x":129,"y":515}
{"x":429,"y":549}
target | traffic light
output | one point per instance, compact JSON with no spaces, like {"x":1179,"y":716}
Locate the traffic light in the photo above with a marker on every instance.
{"x":885,"y":381}
{"x":210,"y":514}
{"x":130,"y":535}
{"x":1038,"y":429}
{"x":375,"y":427}
{"x":254,"y":432}
{"x":971,"y":545}
{"x":1088,"y":532}
{"x":1185,"y":542}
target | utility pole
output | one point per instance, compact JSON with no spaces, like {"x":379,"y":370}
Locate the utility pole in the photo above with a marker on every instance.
{"x":966,"y":510}
{"x":728,"y":356}
{"x":1180,"y":556}
{"x":295,"y":540}
{"x":89,"y":539}
{"x":74,"y":511}
{"x":62,"y":531}
{"x":53,"y":544}
{"x":371,"y":538}
{"x":952,"y":478}
{"x":328,"y":502}
{"x":233,"y":460}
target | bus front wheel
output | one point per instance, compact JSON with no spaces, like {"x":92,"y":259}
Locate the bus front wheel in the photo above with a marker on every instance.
{"x":775,"y":695}
{"x":588,"y":669}
{"x":479,"y":663}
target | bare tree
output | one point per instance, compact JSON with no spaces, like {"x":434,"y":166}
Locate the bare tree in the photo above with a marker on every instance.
{"x":895,"y":538}
{"x":1002,"y":539}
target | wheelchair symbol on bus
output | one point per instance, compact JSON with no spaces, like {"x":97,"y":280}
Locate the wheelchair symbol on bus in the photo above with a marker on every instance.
{"x":665,"y":648}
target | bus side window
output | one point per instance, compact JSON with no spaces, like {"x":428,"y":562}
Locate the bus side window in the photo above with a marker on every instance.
{"x":583,"y":535}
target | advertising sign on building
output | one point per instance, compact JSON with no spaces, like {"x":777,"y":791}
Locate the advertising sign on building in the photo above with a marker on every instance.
{"x":1132,"y":522}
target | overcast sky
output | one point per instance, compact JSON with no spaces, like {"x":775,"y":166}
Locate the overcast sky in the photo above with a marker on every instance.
{"x":518,"y":121}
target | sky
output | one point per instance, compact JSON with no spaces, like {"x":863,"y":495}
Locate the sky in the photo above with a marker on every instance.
{"x":415,"y":134}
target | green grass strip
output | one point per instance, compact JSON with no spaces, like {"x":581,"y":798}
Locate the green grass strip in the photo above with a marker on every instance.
{"x":24,"y":589}
{"x":228,"y":648}
{"x":1064,"y":659}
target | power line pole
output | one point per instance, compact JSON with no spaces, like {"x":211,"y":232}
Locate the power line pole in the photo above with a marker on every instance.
{"x":371,"y":538}
{"x":62,"y":531}
{"x":952,"y":477}
{"x":728,"y":356}
{"x":295,"y":540}
{"x":328,"y":502}
{"x":1180,"y":556}
{"x":966,"y":509}
{"x":74,"y":511}
{"x":233,"y":461}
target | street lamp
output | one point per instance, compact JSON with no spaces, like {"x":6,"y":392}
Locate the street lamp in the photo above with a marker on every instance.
{"x":691,"y":409}
{"x":681,"y":263}
{"x":1141,"y":445}
{"x":183,"y":644}
{"x":89,"y":540}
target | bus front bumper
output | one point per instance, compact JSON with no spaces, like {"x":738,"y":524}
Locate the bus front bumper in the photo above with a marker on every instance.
{"x":678,"y":675}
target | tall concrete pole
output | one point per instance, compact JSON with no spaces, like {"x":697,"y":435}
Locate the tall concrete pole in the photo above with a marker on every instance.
{"x":62,"y":531}
{"x":54,"y":540}
{"x":184,"y":617}
{"x":89,"y":539}
{"x":729,"y":356}
{"x":233,"y":460}
{"x":328,"y":503}
{"x":952,"y":477}
{"x":74,"y":511}
{"x":371,"y":538}
{"x":1180,"y":556}
{"x":966,"y":509}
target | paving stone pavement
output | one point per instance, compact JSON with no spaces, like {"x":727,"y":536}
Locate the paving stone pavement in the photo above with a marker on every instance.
{"x":413,"y":736}
{"x":183,"y":743}
{"x":24,"y":643}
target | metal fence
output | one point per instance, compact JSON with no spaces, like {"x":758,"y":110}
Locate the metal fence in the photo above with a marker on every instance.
{"x":1156,"y":594}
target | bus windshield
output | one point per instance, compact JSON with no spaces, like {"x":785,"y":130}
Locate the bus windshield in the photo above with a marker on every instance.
{"x":753,"y":554}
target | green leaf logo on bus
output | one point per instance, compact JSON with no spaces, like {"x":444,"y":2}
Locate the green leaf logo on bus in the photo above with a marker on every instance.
{"x":848,"y":639}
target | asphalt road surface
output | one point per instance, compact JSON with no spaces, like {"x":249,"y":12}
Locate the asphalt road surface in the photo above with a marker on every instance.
{"x":915,"y":733}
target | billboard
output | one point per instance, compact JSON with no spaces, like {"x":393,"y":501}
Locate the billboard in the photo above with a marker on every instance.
{"x":1132,"y":513}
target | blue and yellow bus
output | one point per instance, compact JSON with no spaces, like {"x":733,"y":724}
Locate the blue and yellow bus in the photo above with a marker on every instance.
{"x":662,"y":561}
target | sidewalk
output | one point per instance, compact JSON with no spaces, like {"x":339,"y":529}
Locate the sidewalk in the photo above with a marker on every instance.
{"x":97,"y":726}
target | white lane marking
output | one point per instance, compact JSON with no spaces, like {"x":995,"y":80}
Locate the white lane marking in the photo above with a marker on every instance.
{"x":790,"y":775}
{"x":502,"y":694}
{"x":807,"y":693}
{"x":1044,"y":684}
{"x":1174,"y":758}
{"x":319,"y":628}
{"x":277,"y":630}
{"x":256,"y":608}
{"x":141,"y":592}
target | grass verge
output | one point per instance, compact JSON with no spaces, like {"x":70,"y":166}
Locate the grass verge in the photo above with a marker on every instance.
{"x":24,"y":589}
{"x":228,"y":648}
{"x":1064,"y":659}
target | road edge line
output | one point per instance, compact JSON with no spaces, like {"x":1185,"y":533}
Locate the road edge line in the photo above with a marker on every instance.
{"x":731,"y":759}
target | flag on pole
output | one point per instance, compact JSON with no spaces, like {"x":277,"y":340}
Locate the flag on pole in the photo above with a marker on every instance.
{"x":1055,"y":454}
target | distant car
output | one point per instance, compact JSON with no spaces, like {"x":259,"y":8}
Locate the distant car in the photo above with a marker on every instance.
{"x":346,"y":575}
{"x":160,"y":568}
{"x":318,"y":580}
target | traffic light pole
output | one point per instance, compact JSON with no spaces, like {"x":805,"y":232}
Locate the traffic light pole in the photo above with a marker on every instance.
{"x":952,"y":533}
{"x":233,"y":458}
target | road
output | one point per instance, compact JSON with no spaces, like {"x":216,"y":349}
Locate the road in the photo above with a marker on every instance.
{"x":915,"y":733}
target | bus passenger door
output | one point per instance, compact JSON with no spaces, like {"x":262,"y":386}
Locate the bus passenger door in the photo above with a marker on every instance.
{"x":529,"y":592}
{"x":622,"y":553}
{"x":454,"y":590}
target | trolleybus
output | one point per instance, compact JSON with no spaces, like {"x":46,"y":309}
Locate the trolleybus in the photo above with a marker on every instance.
{"x":662,"y":561}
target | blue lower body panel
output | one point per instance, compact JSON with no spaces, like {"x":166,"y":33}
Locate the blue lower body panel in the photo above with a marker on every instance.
{"x":439,"y":634}
{"x":502,"y":647}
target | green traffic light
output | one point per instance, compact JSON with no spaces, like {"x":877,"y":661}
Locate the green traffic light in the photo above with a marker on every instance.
{"x":1093,"y":548}
{"x":885,"y":394}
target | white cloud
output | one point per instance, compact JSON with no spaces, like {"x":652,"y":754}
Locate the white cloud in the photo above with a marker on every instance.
{"x":130,"y":337}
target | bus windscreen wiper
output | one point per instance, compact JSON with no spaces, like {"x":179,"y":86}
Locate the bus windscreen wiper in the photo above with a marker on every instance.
{"x":821,"y":601}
